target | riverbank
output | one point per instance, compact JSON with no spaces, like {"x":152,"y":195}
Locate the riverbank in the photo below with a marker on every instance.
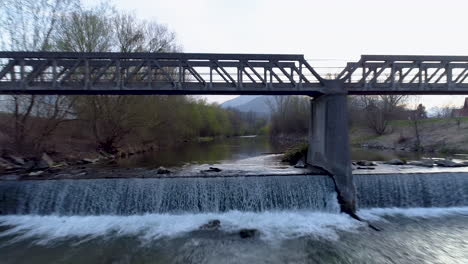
{"x":436,"y":135}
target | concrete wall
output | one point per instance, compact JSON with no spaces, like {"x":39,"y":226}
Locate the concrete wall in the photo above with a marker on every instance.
{"x":329,"y":142}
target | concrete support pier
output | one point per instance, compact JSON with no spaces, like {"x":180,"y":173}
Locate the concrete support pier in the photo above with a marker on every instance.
{"x":329,"y":146}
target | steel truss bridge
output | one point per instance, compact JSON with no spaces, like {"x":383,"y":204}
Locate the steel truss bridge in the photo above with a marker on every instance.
{"x":190,"y":73}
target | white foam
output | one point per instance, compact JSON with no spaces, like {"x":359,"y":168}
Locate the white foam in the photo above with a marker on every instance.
{"x":272,"y":225}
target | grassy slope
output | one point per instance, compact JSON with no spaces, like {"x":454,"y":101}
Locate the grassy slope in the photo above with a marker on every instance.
{"x":439,"y":135}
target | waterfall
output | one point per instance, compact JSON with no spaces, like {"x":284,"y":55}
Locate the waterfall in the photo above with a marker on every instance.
{"x":174,"y":195}
{"x":223,"y":194}
{"x":412,"y":190}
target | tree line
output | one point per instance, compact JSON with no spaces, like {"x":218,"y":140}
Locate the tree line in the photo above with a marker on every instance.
{"x":35,"y":123}
{"x":291,"y":114}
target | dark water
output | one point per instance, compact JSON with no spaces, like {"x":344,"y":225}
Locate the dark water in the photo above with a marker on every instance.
{"x":215,"y":151}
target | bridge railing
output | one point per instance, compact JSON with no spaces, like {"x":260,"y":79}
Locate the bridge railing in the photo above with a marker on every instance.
{"x":407,"y":74}
{"x":164,"y":72}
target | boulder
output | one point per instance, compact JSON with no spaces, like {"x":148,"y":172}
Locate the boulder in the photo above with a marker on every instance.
{"x":211,"y":225}
{"x":248,"y":233}
{"x":366,"y":163}
{"x":395,"y":162}
{"x":448,"y":164}
{"x":40,"y":165}
{"x":162,"y":170}
{"x":300,"y":164}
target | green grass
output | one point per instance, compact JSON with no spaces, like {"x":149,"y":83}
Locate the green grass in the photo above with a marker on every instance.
{"x":427,"y":121}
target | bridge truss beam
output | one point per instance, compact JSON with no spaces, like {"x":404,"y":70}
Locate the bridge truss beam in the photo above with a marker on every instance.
{"x":160,"y":73}
{"x":386,"y":74}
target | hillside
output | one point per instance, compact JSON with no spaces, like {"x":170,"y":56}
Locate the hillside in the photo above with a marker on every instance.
{"x":249,"y":103}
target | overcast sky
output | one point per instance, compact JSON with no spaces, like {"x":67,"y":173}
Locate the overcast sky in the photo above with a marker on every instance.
{"x":327,"y":29}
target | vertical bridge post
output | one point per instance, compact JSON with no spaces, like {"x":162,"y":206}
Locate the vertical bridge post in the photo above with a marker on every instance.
{"x":329,"y":146}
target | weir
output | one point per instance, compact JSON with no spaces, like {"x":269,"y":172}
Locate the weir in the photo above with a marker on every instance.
{"x":219,"y":195}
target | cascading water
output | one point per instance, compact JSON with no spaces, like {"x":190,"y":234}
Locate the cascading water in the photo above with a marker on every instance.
{"x":174,"y":195}
{"x":222,"y":194}
{"x":412,"y":190}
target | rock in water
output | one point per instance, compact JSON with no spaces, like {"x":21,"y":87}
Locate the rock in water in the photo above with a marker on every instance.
{"x":215,"y":169}
{"x":211,"y":225}
{"x":248,"y":233}
{"x":300,"y":164}
{"x":365,"y":168}
{"x":366,"y":163}
{"x":395,"y":162}
{"x":162,"y":170}
{"x":212,"y":169}
{"x":448,"y":164}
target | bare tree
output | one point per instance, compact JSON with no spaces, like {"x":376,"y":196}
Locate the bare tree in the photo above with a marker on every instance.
{"x":379,"y":110}
{"x":28,"y":25}
{"x":85,"y":30}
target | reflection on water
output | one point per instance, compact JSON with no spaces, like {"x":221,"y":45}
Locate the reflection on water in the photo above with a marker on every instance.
{"x":235,"y":148}
{"x":216,"y":151}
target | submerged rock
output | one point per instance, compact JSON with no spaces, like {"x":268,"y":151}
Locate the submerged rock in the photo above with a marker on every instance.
{"x":248,"y":233}
{"x":211,"y":225}
{"x":395,"y":162}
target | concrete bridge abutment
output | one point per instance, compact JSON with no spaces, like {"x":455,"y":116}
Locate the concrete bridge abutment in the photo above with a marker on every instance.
{"x":329,"y":146}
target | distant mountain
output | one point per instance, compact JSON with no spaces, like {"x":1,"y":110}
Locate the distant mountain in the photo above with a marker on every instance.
{"x":249,"y":103}
{"x":240,"y":100}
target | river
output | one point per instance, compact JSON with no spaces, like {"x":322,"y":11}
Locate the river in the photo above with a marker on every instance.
{"x":423,"y":217}
{"x":226,"y":150}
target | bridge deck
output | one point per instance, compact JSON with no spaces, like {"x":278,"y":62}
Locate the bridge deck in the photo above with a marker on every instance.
{"x":189,"y":73}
